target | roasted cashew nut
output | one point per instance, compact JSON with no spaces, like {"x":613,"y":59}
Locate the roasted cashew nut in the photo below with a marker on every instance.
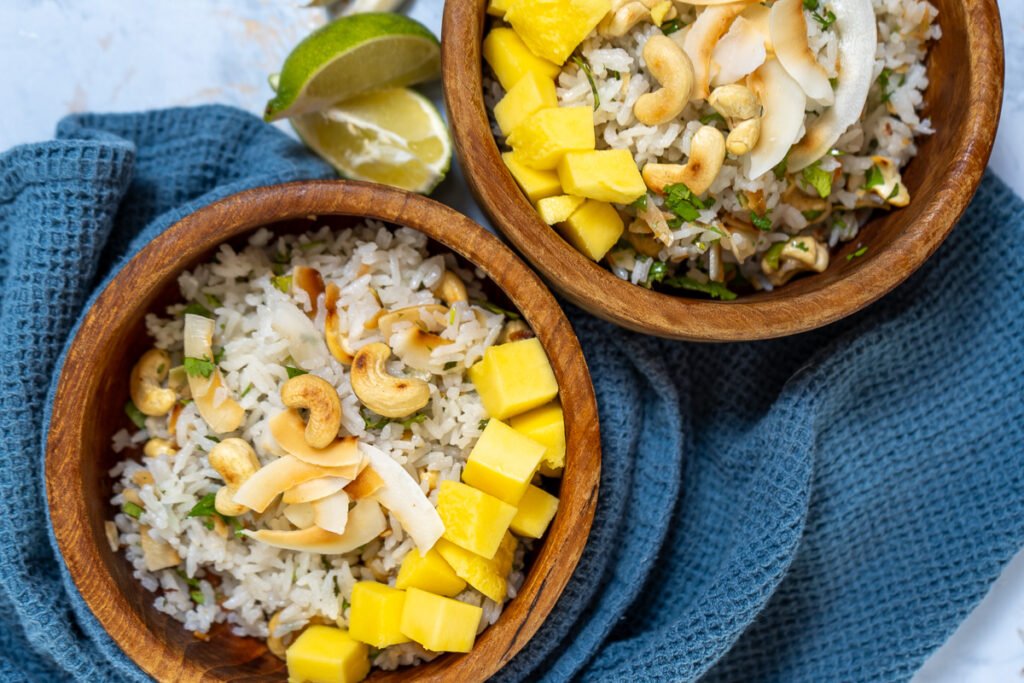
{"x":144,"y":384}
{"x":743,"y":137}
{"x":669,"y":65}
{"x":891,"y":190}
{"x":619,"y":22}
{"x":155,"y":447}
{"x":739,"y":107}
{"x":801,"y":254}
{"x":515,"y":330}
{"x":235,"y":461}
{"x":321,"y":400}
{"x":382,"y":393}
{"x":451,"y":288}
{"x":275,"y":643}
{"x":311,"y":282}
{"x":707,"y":154}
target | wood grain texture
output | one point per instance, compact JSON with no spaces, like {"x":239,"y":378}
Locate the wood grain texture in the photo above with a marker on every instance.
{"x":93,"y":388}
{"x":963,"y":101}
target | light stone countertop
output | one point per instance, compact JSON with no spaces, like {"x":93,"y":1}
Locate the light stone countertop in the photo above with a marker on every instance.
{"x":63,"y":56}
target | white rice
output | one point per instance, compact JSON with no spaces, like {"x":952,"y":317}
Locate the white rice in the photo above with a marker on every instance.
{"x":243,"y":582}
{"x":905,"y":28}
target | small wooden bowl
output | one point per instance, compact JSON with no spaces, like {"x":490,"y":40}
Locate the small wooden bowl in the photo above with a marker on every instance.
{"x":963,"y":101}
{"x":94,"y":387}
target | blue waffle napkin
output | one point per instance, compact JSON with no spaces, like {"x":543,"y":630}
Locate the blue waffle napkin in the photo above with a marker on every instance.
{"x":824,"y":507}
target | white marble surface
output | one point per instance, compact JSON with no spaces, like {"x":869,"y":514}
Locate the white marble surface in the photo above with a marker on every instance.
{"x":62,"y":56}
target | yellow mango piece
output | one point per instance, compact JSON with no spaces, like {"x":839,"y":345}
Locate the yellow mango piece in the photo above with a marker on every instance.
{"x":593,"y":229}
{"x":557,"y":209}
{"x":535,"y":184}
{"x":530,"y":94}
{"x":430,"y":573}
{"x":511,"y":59}
{"x":490,"y":577}
{"x":545,"y":425}
{"x":440,"y":624}
{"x":608,"y":175}
{"x":376,"y":613}
{"x":536,"y":510}
{"x":658,"y":12}
{"x":544,"y":137}
{"x":326,"y":654}
{"x":513,"y":378}
{"x":473,"y":519}
{"x":503,"y":462}
{"x":553,"y":28}
{"x":497,"y":8}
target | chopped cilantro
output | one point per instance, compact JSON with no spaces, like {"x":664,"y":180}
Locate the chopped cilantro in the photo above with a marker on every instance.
{"x":190,"y":582}
{"x":213,"y":301}
{"x":771,"y":257}
{"x":834,"y":82}
{"x":657,"y":272}
{"x":195,"y":367}
{"x":415,"y":419}
{"x":197,"y":597}
{"x":763,"y":222}
{"x":584,"y":66}
{"x":819,"y":179}
{"x":713,"y":117}
{"x":205,"y":507}
{"x":683,"y":203}
{"x":450,"y":364}
{"x":135,"y":415}
{"x":825,"y":19}
{"x":306,"y":246}
{"x":211,"y":437}
{"x":857,"y":254}
{"x":884,"y":79}
{"x":131,"y":509}
{"x":781,"y":168}
{"x":218,"y":356}
{"x":488,"y":306}
{"x":246,"y":390}
{"x":614,"y":74}
{"x":671,"y":26}
{"x":810,"y":5}
{"x":839,"y":222}
{"x":294,"y":372}
{"x":372,"y":422}
{"x":875,"y":177}
{"x":196,"y":308}
{"x":812,"y":215}
{"x":640,"y":203}
{"x":798,"y":245}
{"x":716,"y":290}
{"x":895,"y":191}
{"x":282,"y":283}
{"x":482,"y":424}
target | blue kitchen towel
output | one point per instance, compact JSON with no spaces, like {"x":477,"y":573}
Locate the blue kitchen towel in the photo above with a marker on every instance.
{"x":825,"y":507}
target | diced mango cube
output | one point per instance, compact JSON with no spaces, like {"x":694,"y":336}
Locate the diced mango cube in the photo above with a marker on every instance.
{"x":545,"y":425}
{"x":529,"y":95}
{"x":503,"y":462}
{"x":473,"y":519}
{"x":430,"y":573}
{"x":511,"y":59}
{"x":514,"y":377}
{"x":440,"y":624}
{"x":535,"y":184}
{"x":376,"y":614}
{"x":325,"y":654}
{"x":553,"y":28}
{"x":608,"y":175}
{"x":557,"y":209}
{"x":490,"y":577}
{"x":544,"y":137}
{"x":594,"y":228}
{"x":497,"y":8}
{"x":536,"y":510}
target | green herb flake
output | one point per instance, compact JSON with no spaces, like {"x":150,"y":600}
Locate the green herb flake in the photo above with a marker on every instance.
{"x":306,"y":246}
{"x":246,"y":390}
{"x":771,"y":257}
{"x":884,"y":81}
{"x":714,"y":117}
{"x":764,"y":222}
{"x":874,"y":178}
{"x":282,"y":283}
{"x":482,"y":424}
{"x":135,"y":415}
{"x":798,"y":245}
{"x":716,"y":290}
{"x":857,"y":254}
{"x":450,"y":364}
{"x":819,"y":179}
{"x":834,"y":82}
{"x":196,"y":308}
{"x":781,"y":168}
{"x":614,"y":74}
{"x":825,"y":19}
{"x":810,"y":5}
{"x":584,"y":66}
{"x":895,"y":191}
{"x":415,"y":419}
{"x":488,"y":306}
{"x":657,"y":272}
{"x":812,"y":215}
{"x":640,"y":203}
{"x":671,"y":26}
{"x":218,"y":356}
{"x":194,"y":367}
{"x":189,"y":581}
{"x":205,"y":507}
{"x":132,"y":510}
{"x":211,"y":437}
{"x":213,"y":301}
{"x":372,"y":422}
{"x":197,"y":597}
{"x":683,"y":203}
{"x":294,"y":372}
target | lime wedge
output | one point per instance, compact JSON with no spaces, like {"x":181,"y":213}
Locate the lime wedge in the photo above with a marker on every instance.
{"x":353,"y":55}
{"x":395,"y":137}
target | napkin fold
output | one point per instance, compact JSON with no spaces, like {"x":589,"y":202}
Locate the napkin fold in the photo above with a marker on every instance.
{"x":825,"y":507}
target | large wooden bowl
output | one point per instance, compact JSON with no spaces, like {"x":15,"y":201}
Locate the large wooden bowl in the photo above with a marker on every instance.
{"x":93,"y":388}
{"x":963,"y":101}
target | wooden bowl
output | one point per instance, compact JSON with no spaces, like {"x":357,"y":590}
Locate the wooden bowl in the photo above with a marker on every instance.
{"x":963,"y":101}
{"x":93,"y":388}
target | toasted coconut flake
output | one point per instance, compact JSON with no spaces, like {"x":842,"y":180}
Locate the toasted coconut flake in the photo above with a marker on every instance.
{"x":759,"y":17}
{"x":366,"y":522}
{"x":428,"y":317}
{"x":314,"y":490}
{"x":783,"y":100}
{"x":740,"y":52}
{"x":311,"y":282}
{"x":288,"y":430}
{"x":157,"y":554}
{"x":415,"y":347}
{"x":331,"y":513}
{"x":300,"y":514}
{"x":402,"y":495}
{"x":789,"y":35}
{"x":332,"y":333}
{"x":113,"y":540}
{"x":260,"y":490}
{"x":858,"y":38}
{"x":365,"y":485}
{"x":220,"y":411}
{"x":700,"y":41}
{"x":304,"y":343}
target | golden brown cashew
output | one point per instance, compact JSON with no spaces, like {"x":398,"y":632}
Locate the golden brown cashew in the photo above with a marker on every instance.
{"x":707,"y":154}
{"x":739,"y":107}
{"x":321,"y":400}
{"x":743,"y":137}
{"x":235,"y":461}
{"x":275,"y":643}
{"x":311,"y":282}
{"x":669,"y":65}
{"x":451,"y":288}
{"x":892,"y":189}
{"x":515,"y":330}
{"x":144,"y":384}
{"x":382,"y":393}
{"x":801,"y":254}
{"x":155,"y":447}
{"x":618,"y":22}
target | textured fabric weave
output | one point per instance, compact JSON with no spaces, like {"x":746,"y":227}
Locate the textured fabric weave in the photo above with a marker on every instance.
{"x":825,"y":507}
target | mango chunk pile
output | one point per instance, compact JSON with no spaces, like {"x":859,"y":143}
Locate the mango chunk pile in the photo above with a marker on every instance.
{"x":554,"y":159}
